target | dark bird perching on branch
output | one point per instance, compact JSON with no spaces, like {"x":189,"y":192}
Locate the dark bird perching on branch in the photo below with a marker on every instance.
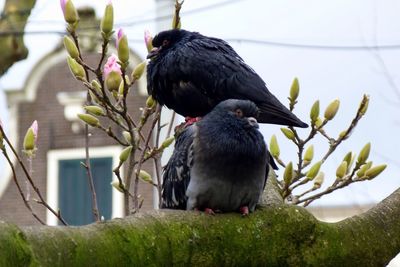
{"x":219,"y":163}
{"x":191,"y":73}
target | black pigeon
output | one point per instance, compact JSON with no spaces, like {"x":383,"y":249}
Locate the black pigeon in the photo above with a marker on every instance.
{"x":191,"y":73}
{"x":219,"y":163}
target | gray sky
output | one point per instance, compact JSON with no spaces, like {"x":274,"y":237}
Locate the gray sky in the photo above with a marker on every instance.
{"x":311,"y":39}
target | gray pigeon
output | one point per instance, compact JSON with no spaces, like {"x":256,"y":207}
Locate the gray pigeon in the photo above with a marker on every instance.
{"x":219,"y":163}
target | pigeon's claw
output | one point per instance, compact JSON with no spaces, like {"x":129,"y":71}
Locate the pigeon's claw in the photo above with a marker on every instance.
{"x":244,"y":210}
{"x":209,"y":211}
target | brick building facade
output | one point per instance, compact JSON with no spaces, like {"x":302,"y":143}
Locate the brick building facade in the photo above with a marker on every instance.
{"x":43,"y":99}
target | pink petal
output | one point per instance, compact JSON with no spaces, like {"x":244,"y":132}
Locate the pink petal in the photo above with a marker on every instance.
{"x":112,"y":65}
{"x":35,"y":128}
{"x":147,"y":36}
{"x":63,"y":3}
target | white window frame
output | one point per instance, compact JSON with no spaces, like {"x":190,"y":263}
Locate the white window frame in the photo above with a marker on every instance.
{"x":53,"y":159}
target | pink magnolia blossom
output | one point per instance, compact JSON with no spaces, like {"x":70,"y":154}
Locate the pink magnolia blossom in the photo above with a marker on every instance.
{"x":147,"y":37}
{"x":112,"y":65}
{"x":63,"y":3}
{"x":120,"y":34}
{"x":109,"y":2}
{"x":35,"y":129}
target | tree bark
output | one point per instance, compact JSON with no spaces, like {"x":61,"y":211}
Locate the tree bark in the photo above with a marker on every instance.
{"x":274,"y":235}
{"x":12,"y":25}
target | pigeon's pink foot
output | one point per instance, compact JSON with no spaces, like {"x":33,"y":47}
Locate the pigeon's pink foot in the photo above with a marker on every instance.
{"x":244,"y":210}
{"x":209,"y":211}
{"x":190,"y":120}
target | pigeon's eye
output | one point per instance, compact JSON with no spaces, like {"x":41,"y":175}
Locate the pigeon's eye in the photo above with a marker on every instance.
{"x":239,"y":113}
{"x":165,"y":42}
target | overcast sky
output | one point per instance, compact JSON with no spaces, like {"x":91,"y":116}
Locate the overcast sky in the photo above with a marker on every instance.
{"x":320,"y":42}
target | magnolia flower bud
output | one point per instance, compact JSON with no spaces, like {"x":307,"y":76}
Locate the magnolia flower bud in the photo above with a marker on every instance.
{"x":125,"y":154}
{"x":294,"y":90}
{"x":314,"y":113}
{"x":348,"y":158}
{"x":107,"y":22}
{"x":167,"y":142}
{"x":150,"y":102}
{"x":288,"y":133}
{"x":364,"y":168}
{"x":69,"y":11}
{"x":309,"y":154}
{"x":148,"y":39}
{"x":145,"y":176}
{"x":314,"y":170}
{"x":364,"y":154}
{"x":31,"y":137}
{"x":112,"y":72}
{"x":118,"y":186}
{"x":71,"y":47}
{"x":364,"y":104}
{"x":89,"y":119}
{"x":375,"y":171}
{"x":95,"y":110}
{"x":319,"y":180}
{"x":77,"y":70}
{"x":341,"y":170}
{"x":318,"y":122}
{"x":122,"y":46}
{"x":288,"y":174}
{"x":332,"y":109}
{"x":127,"y":136}
{"x":96,"y":85}
{"x":274,"y":147}
{"x":139,"y":70}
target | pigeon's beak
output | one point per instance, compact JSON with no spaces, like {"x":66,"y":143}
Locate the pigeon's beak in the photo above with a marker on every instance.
{"x":253,"y":122}
{"x":154,"y":52}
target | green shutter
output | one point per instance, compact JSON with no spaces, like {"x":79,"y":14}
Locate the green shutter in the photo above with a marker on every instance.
{"x":75,"y":199}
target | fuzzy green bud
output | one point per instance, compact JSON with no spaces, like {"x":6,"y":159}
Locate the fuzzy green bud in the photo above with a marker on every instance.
{"x":288,"y":174}
{"x":29,"y":140}
{"x":96,"y":85}
{"x":118,"y":186}
{"x":314,"y":170}
{"x":319,"y":180}
{"x":294,"y":90}
{"x":348,"y":158}
{"x":341,"y":170}
{"x":107,"y":21}
{"x":113,"y":81}
{"x":167,"y":142}
{"x":127,"y":136}
{"x":332,"y":109}
{"x":138,"y":70}
{"x":288,"y":133}
{"x":70,"y":13}
{"x":309,"y":154}
{"x":364,"y":154}
{"x":122,"y":47}
{"x":71,"y":47}
{"x":94,"y":110}
{"x":150,"y":102}
{"x":274,"y":147}
{"x":314,"y":113}
{"x":125,"y":154}
{"x":121,"y":88}
{"x":364,"y":104}
{"x":77,"y":70}
{"x":375,"y":171}
{"x":89,"y":119}
{"x":318,"y":122}
{"x":364,"y":168}
{"x":145,"y":176}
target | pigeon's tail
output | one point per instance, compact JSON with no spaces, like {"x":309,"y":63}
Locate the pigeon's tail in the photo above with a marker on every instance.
{"x":279,"y":115}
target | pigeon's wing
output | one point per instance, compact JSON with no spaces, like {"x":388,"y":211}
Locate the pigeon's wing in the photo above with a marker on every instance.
{"x":207,"y":71}
{"x":176,"y":174}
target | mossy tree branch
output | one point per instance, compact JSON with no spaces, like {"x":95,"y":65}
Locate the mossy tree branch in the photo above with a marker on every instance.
{"x":13,"y":20}
{"x":274,"y":235}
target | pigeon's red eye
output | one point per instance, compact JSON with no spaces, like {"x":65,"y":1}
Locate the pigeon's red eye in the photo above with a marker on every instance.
{"x":239,"y":113}
{"x":165,"y":42}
